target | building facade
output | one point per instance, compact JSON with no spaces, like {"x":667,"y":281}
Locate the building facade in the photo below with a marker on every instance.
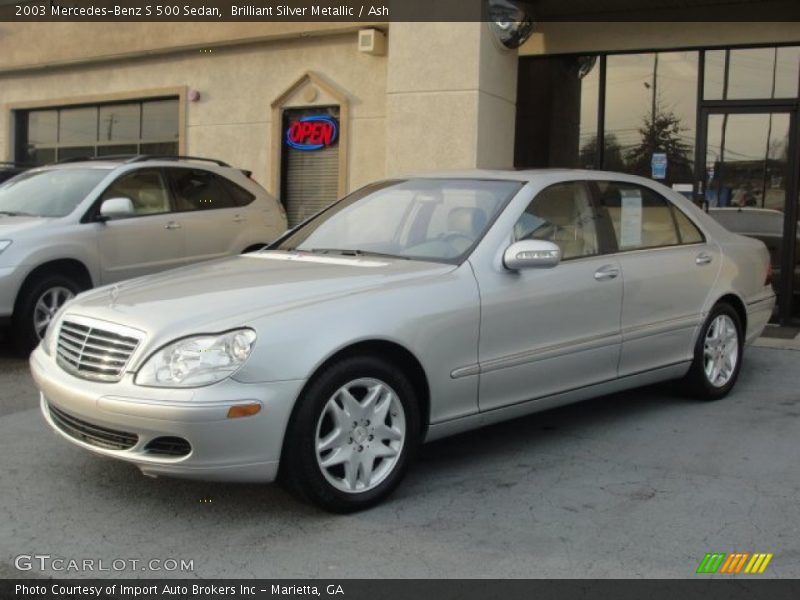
{"x":315,"y":110}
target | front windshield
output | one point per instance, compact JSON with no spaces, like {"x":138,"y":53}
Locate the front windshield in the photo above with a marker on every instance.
{"x":424,"y":219}
{"x":48,"y":193}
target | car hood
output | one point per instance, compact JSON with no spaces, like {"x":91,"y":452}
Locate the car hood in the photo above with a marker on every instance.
{"x":234,"y":291}
{"x":11,"y":226}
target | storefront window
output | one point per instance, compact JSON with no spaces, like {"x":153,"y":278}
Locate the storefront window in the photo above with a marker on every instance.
{"x":650,"y":111}
{"x":557,"y":112}
{"x":752,"y":73}
{"x":147,"y":127}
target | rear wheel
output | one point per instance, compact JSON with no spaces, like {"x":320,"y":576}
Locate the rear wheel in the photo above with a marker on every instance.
{"x":717,"y":354}
{"x":39,"y":301}
{"x":353,"y":435}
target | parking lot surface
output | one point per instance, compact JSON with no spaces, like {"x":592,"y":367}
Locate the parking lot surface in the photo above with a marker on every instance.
{"x":639,"y":484}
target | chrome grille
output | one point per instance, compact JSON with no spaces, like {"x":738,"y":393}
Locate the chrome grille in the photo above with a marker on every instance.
{"x":102,"y":437}
{"x":93,"y":352}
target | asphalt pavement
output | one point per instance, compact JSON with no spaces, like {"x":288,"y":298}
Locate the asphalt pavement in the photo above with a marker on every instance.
{"x":638,"y":484}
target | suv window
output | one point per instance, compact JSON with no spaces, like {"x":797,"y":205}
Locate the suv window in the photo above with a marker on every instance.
{"x":239,"y":195}
{"x":641,"y":218}
{"x":198,"y":190}
{"x":145,"y":188}
{"x":562,"y":214}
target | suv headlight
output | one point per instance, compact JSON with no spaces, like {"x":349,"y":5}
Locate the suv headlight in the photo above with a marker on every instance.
{"x":4,"y":244}
{"x":198,"y":360}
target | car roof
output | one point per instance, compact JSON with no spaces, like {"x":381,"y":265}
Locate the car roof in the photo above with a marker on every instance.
{"x":527,"y":174}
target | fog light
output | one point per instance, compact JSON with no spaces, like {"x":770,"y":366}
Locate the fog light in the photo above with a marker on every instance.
{"x":244,"y":410}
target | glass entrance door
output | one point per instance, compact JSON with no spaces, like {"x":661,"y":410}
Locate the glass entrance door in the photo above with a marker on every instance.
{"x":749,"y":179}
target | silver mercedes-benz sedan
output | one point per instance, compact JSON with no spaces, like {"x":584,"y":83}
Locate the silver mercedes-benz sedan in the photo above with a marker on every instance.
{"x":410,"y":310}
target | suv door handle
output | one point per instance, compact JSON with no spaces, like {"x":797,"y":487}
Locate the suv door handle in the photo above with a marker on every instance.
{"x":606,"y":272}
{"x":172,"y":225}
{"x":239,"y":219}
{"x":703,"y":259}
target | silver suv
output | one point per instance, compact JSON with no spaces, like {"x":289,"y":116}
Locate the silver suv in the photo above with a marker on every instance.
{"x":67,"y":227}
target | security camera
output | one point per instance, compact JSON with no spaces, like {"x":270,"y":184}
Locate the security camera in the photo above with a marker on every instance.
{"x":511,"y":21}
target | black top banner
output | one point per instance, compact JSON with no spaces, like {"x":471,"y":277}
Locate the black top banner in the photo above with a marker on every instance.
{"x":381,"y":11}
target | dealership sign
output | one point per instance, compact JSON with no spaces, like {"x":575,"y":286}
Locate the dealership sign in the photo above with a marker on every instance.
{"x":313,"y":132}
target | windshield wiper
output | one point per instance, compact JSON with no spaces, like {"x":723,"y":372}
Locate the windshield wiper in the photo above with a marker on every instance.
{"x":11,"y":213}
{"x":356,"y":252}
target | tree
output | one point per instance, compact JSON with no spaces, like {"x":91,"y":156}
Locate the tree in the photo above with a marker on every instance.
{"x":612,"y":153}
{"x":661,"y":133}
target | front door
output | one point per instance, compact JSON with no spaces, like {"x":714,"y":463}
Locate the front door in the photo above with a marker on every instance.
{"x":550,"y":330}
{"x":749,"y":170}
{"x":151,"y":239}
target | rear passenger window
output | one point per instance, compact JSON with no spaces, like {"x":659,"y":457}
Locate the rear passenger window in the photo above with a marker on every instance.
{"x":688,"y":231}
{"x":641,"y":218}
{"x":239,"y":195}
{"x":198,"y":190}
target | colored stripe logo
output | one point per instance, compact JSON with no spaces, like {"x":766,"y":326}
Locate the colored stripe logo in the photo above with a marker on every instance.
{"x":736,"y":562}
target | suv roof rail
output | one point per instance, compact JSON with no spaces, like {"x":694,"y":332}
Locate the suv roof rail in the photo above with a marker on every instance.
{"x":144,"y":157}
{"x":72,"y":159}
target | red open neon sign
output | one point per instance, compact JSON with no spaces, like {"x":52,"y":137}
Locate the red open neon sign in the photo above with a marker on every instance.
{"x":312,"y":133}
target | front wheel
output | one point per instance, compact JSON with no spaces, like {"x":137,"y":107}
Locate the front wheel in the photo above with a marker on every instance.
{"x":353,"y":435}
{"x":717,"y":355}
{"x":38,"y":303}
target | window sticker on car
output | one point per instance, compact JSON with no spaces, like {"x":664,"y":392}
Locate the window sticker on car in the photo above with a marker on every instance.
{"x":631,"y":220}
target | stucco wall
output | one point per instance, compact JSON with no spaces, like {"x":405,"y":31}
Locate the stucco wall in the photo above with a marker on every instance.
{"x":232,"y":121}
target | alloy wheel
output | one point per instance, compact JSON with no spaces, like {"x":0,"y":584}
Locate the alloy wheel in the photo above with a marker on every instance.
{"x":360,"y":435}
{"x":721,"y":351}
{"x":47,"y":306}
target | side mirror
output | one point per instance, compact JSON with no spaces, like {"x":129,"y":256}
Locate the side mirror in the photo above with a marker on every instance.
{"x":531,"y":254}
{"x":116,"y":208}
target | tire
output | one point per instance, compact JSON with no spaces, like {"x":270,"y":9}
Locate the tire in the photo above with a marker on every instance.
{"x":711,"y":375}
{"x":45,"y":293}
{"x":362,"y":459}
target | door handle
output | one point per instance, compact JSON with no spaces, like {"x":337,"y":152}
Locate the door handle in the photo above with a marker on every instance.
{"x":172,"y":225}
{"x":606,"y":272}
{"x":703,"y":259}
{"x":239,"y":219}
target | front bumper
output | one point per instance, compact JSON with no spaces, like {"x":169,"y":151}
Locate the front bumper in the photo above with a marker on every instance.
{"x":11,"y":279}
{"x":222,"y":449}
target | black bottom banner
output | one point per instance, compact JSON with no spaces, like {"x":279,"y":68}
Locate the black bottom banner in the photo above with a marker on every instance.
{"x":397,"y":589}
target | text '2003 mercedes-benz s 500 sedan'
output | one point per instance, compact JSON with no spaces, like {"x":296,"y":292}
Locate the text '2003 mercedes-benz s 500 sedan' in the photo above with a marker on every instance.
{"x":410,"y":310}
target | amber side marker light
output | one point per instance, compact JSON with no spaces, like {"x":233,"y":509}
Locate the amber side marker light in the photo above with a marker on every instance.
{"x":244,"y":410}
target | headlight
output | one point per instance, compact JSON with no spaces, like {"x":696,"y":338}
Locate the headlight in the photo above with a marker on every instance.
{"x":199,"y":360}
{"x":4,"y":244}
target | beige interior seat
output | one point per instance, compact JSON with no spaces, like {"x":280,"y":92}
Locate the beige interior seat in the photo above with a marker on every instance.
{"x":556,"y":205}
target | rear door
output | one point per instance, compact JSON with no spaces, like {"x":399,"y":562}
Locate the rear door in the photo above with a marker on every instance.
{"x":151,"y":239}
{"x":213,"y":221}
{"x":668,"y":270}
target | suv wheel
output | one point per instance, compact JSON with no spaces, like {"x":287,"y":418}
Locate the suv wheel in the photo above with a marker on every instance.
{"x":38,"y":303}
{"x":354,"y":433}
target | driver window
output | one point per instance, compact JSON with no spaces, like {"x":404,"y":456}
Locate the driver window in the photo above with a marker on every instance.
{"x":146,"y":190}
{"x":561,"y":214}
